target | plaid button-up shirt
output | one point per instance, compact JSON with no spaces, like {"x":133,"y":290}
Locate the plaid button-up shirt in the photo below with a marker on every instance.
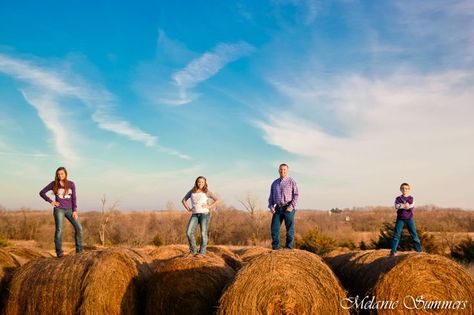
{"x":283,"y":192}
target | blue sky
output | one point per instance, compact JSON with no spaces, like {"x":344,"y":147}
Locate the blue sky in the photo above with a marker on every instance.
{"x":138,"y":99}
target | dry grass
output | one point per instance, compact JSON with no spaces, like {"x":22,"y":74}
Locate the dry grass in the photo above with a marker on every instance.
{"x":188,"y":285}
{"x":406,"y":275}
{"x":283,"y":282}
{"x":99,"y":282}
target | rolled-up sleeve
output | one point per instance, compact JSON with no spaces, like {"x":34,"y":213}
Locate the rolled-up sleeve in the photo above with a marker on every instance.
{"x":271,"y":199}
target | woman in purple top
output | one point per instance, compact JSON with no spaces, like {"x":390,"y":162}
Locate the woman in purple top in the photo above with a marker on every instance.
{"x":404,"y":205}
{"x":64,"y":205}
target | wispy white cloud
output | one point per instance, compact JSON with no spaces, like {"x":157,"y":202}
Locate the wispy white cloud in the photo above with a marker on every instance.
{"x":25,"y":154}
{"x":204,"y":67}
{"x":174,"y":152}
{"x":312,"y":10}
{"x":106,"y":121}
{"x":403,"y":126}
{"x":56,"y":84}
{"x":210,"y":63}
{"x":50,"y":113}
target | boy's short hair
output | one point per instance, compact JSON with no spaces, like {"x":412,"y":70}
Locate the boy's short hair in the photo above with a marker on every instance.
{"x":283,"y":164}
{"x":404,"y":184}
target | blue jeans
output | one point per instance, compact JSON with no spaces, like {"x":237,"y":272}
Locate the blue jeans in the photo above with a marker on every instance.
{"x":59,"y":214}
{"x":398,"y":232}
{"x":203,"y":220}
{"x":279,"y":216}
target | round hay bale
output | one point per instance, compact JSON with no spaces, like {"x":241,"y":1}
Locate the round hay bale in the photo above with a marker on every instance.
{"x":420,"y":283}
{"x":229,"y":257}
{"x":283,"y":282}
{"x":7,"y":266}
{"x":99,"y":282}
{"x":22,"y":255}
{"x":249,"y":253}
{"x":188,"y":285}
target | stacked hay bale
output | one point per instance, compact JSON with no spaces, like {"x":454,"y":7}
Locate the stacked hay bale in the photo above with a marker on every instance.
{"x":283,"y":282}
{"x":229,"y":257}
{"x":188,"y":285}
{"x":249,"y":253}
{"x":418,"y":282}
{"x":100,"y":282}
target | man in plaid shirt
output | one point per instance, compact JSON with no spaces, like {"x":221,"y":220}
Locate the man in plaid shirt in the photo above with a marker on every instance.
{"x":282,"y":203}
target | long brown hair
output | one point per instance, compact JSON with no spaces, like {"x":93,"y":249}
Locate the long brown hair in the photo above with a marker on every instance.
{"x":57,"y":182}
{"x":204,"y":189}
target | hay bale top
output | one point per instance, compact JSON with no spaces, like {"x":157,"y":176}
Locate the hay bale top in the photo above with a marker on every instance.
{"x":168,"y":251}
{"x":230,"y":258}
{"x":283,"y":282}
{"x":24,"y":254}
{"x":186,"y":262}
{"x":6,"y":260}
{"x":336,"y":252}
{"x":220,"y":249}
{"x":249,"y":253}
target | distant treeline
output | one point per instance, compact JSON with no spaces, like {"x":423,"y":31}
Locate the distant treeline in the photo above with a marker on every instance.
{"x":228,"y":225}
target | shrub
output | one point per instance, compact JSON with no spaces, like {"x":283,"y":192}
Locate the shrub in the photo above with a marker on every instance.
{"x":349,"y":244}
{"x":315,"y":242}
{"x":464,"y":251}
{"x":3,"y":241}
{"x":157,"y":241}
{"x":364,"y":246}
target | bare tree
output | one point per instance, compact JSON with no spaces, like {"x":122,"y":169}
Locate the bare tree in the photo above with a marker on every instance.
{"x":250,"y":203}
{"x":104,"y":218}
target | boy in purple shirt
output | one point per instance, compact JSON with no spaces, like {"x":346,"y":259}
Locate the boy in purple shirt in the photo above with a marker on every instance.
{"x":404,"y":204}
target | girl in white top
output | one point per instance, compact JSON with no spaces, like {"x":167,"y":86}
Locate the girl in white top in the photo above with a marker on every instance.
{"x":200,"y":205}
